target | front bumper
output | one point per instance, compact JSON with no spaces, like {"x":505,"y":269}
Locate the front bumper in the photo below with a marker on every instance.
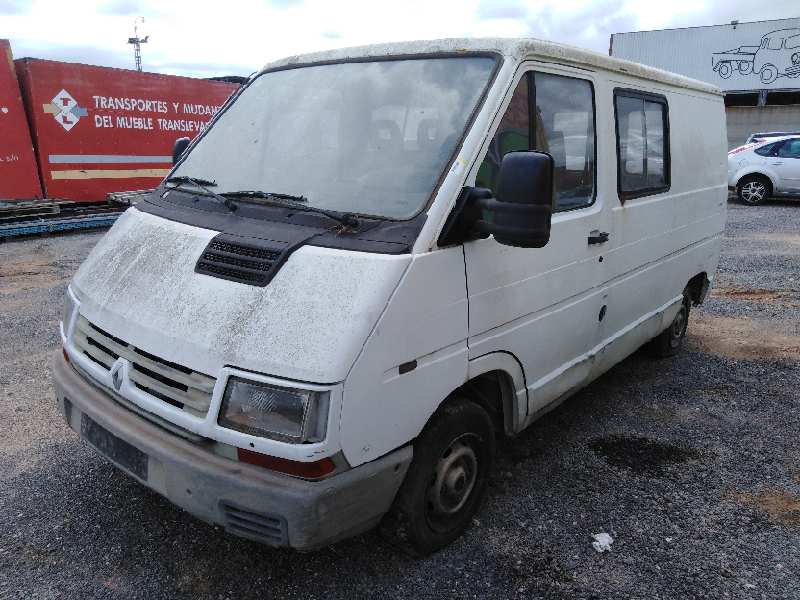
{"x":246,"y":500}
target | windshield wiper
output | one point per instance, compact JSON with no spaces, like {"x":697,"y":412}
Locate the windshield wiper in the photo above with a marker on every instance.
{"x":198,"y":181}
{"x":294,"y":201}
{"x":203,"y":184}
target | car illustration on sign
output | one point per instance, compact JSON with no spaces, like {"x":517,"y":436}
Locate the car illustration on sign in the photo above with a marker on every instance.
{"x":777,"y":55}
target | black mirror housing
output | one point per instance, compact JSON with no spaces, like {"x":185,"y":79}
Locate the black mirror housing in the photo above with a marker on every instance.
{"x":179,"y":148}
{"x":521,"y":212}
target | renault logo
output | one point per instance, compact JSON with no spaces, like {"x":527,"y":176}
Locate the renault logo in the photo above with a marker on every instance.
{"x":116,"y":375}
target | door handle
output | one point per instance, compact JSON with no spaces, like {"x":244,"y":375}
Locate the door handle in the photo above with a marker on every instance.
{"x":598,"y":237}
{"x":778,"y":163}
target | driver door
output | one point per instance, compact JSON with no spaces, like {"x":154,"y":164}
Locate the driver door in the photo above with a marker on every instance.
{"x":544,"y":305}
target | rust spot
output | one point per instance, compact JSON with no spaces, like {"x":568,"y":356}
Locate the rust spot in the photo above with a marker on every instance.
{"x":757,"y":295}
{"x":22,"y":274}
{"x":778,"y":236}
{"x":742,"y":338}
{"x":779,"y":505}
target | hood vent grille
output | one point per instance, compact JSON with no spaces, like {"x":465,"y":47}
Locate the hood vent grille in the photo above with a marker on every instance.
{"x":253,"y":263}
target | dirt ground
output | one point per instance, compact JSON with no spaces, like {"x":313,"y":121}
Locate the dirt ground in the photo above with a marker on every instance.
{"x":691,"y":464}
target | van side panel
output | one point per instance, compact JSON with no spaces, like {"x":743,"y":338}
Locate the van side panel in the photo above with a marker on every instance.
{"x":423,"y":329}
{"x":569,"y":311}
{"x":659,"y":242}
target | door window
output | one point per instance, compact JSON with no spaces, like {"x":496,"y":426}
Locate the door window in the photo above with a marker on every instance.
{"x":642,"y":143}
{"x":775,"y":43}
{"x":513,"y":133}
{"x":564,"y":127}
{"x":790,"y":149}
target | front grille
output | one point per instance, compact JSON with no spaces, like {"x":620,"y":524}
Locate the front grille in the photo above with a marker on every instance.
{"x":268,"y":529}
{"x":172,"y":383}
{"x":253,"y":263}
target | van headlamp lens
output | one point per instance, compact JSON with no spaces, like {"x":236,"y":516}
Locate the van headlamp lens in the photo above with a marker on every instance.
{"x":69,"y":309}
{"x":278,"y":413}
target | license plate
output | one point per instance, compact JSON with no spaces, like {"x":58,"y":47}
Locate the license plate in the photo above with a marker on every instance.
{"x":118,"y":450}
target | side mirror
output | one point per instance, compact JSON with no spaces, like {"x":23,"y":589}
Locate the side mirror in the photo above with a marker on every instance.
{"x":520,"y":213}
{"x":179,"y":148}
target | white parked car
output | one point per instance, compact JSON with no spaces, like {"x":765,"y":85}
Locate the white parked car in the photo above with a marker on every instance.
{"x":768,"y":135}
{"x":376,"y":260}
{"x":763,"y":169}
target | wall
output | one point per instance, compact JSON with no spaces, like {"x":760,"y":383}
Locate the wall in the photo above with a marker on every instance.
{"x":697,"y":52}
{"x":19,"y":179}
{"x":98,"y":130}
{"x":744,"y":120}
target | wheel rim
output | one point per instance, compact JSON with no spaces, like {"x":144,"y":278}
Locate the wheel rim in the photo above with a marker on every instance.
{"x":754,"y":191}
{"x":453,"y":481}
{"x":678,"y":327}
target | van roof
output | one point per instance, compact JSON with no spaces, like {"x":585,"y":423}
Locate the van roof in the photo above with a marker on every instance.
{"x":517,"y":49}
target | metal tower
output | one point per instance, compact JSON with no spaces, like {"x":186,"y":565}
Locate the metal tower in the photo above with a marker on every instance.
{"x":137,"y":43}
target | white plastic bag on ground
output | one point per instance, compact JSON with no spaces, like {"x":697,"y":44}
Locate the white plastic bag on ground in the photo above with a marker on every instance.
{"x":602,"y":542}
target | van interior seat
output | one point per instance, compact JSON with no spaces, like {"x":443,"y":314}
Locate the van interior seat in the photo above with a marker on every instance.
{"x":385,"y":136}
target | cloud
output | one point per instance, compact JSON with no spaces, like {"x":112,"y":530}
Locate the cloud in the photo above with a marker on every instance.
{"x":501,"y":9}
{"x":194,"y":37}
{"x":121,"y":7}
{"x":14,"y":7}
{"x":284,"y":3}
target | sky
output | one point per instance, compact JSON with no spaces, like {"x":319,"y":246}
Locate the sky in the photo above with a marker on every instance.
{"x":237,"y":37}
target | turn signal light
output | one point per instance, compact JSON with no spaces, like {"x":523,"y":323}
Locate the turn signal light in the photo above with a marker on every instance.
{"x":308,"y":470}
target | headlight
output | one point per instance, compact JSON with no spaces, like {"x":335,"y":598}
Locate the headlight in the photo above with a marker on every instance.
{"x":70,"y":304}
{"x":274,"y":412}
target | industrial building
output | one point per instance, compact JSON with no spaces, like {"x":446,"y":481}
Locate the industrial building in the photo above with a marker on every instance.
{"x":756,"y":64}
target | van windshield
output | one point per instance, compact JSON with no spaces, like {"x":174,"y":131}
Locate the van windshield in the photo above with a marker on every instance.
{"x":368,"y":138}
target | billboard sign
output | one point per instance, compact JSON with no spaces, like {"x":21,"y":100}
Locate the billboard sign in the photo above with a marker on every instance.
{"x":99,"y":130}
{"x":19,"y":178}
{"x":734,"y":57}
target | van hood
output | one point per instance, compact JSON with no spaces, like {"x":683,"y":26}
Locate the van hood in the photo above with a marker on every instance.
{"x":308,"y":324}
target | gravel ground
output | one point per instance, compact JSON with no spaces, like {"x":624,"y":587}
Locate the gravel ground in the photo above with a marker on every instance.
{"x":690,"y":464}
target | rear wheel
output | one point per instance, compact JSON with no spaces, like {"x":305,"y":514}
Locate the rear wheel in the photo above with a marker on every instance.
{"x":724,"y":70}
{"x":753,"y":190}
{"x":446,"y":482}
{"x":670,"y":341}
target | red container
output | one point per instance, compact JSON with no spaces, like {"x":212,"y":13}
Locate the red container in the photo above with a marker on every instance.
{"x":19,"y":178}
{"x":99,"y":130}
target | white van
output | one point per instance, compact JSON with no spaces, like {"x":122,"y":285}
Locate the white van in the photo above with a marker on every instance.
{"x":378,"y":259}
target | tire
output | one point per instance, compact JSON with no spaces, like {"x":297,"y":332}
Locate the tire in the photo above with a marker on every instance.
{"x":768,"y":73}
{"x":724,"y":70}
{"x":446,"y":482}
{"x":670,"y":341}
{"x":745,"y":67}
{"x":753,"y":190}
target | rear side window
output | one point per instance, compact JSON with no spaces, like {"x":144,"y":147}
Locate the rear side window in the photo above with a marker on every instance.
{"x":642,"y":143}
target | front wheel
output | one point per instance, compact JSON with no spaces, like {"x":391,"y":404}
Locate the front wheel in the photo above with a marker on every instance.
{"x":447,"y":480}
{"x":753,"y":190}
